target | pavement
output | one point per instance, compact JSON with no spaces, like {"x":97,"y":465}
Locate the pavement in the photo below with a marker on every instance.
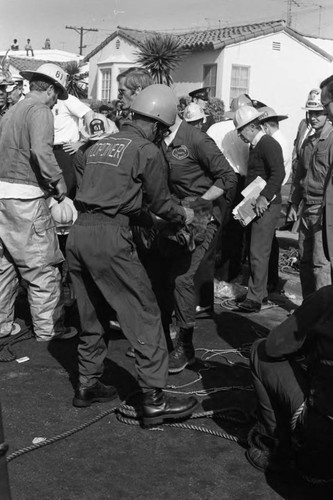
{"x":110,"y":459}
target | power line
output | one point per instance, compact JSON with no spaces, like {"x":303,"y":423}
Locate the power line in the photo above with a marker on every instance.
{"x":81,"y":32}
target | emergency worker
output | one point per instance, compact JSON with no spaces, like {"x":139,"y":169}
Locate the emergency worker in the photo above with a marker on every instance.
{"x":308,"y":194}
{"x":29,"y":173}
{"x":198,"y":172}
{"x":326,"y":87}
{"x":266,"y":161}
{"x":201,"y":97}
{"x":292,"y":374}
{"x":103,"y":262}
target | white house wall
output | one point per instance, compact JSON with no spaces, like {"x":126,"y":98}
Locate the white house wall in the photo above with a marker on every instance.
{"x":280,"y":79}
{"x":109,"y":56}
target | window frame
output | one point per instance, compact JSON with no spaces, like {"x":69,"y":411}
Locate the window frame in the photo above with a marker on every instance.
{"x":236,"y":90}
{"x":212,"y":88}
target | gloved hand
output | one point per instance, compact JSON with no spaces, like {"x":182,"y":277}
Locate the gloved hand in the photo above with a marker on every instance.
{"x":60,"y":190}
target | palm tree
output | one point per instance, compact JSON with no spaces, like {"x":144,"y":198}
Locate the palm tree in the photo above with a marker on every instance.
{"x":75,"y":81}
{"x":161,"y":54}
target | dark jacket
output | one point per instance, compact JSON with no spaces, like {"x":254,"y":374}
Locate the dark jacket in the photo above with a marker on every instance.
{"x":196,"y":164}
{"x":121,"y":170}
{"x":266,"y":161}
{"x":313,"y":166}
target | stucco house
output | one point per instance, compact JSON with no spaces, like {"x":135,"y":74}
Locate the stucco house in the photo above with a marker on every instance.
{"x":269,"y":61}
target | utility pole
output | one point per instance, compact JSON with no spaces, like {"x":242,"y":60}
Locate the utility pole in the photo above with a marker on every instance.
{"x":81,"y":31}
{"x":289,"y":11}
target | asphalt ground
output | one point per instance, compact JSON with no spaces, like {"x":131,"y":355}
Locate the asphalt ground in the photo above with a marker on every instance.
{"x":110,"y":459}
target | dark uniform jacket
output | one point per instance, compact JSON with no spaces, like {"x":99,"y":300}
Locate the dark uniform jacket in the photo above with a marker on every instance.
{"x":119,"y":170}
{"x":196,"y":164}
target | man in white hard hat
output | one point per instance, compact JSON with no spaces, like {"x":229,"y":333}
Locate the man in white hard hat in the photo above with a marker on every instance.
{"x":29,"y":174}
{"x":308,"y":194}
{"x":236,"y":152}
{"x":194,"y":115}
{"x":270,"y":124}
{"x":266,"y":161}
{"x":326,"y":87}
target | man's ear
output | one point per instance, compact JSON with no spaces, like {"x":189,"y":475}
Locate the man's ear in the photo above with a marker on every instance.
{"x":138,"y":90}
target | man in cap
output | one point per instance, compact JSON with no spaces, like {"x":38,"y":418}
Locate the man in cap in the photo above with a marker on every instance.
{"x":292,"y":376}
{"x":326,"y":87}
{"x":266,"y":161}
{"x":103,"y":262}
{"x":29,"y":174}
{"x":15,"y":91}
{"x":201,"y":97}
{"x":198,"y":174}
{"x":270,"y":123}
{"x":5,"y":82}
{"x":308,"y":194}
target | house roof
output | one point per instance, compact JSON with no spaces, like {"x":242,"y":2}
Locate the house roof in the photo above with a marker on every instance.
{"x":212,"y":39}
{"x":32,"y":64}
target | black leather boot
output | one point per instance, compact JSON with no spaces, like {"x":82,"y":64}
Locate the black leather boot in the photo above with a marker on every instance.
{"x":97,"y":393}
{"x":158,"y":407}
{"x":184,"y":353}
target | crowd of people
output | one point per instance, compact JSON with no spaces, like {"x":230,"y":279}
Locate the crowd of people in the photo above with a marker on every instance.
{"x":152,"y":186}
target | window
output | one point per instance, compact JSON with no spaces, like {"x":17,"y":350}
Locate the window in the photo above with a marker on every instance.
{"x":106,"y":85}
{"x":209,"y":78}
{"x":240,"y":80}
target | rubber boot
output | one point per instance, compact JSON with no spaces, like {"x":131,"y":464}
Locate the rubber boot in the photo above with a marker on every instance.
{"x":265,"y":452}
{"x":184,"y":353}
{"x":159,"y":407}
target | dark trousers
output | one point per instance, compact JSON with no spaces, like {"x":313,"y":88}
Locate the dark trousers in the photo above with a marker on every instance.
{"x":232,"y":238}
{"x":204,"y":277}
{"x":280,"y":386}
{"x":273,"y":266}
{"x":176,"y":289}
{"x":107,"y":273}
{"x":65,"y":162}
{"x":261,"y":232}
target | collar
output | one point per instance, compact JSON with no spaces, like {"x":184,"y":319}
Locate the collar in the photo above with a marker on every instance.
{"x":325,"y":131}
{"x":257,"y":138}
{"x":174,"y":129}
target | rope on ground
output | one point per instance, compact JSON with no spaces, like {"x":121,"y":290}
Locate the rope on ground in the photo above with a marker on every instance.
{"x":58,"y":437}
{"x":129,"y":415}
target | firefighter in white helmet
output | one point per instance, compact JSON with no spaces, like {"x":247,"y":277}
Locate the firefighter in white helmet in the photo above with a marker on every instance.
{"x":307,"y":196}
{"x":103,"y":261}
{"x":29,"y":174}
{"x":266,"y":161}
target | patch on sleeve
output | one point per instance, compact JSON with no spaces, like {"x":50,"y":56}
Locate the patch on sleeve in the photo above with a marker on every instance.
{"x":108,"y":151}
{"x":180,"y":153}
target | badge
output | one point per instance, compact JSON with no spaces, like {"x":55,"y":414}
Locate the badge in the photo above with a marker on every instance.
{"x":180,"y":153}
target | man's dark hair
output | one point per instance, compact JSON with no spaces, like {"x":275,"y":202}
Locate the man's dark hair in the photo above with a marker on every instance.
{"x":135,"y":78}
{"x":41,"y":84}
{"x":104,"y":107}
{"x":328,"y":82}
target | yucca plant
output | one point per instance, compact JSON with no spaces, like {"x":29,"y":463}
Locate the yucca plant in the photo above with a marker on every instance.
{"x":75,"y":84}
{"x":161,"y":54}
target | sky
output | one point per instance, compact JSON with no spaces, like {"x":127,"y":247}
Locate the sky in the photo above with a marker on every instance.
{"x":41,"y":19}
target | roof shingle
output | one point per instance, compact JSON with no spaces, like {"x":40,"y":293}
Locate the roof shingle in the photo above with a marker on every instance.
{"x":211,"y":39}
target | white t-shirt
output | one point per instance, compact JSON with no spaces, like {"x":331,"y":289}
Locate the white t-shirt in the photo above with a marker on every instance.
{"x":286,"y":152}
{"x":234,"y":149}
{"x":67,"y":115}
